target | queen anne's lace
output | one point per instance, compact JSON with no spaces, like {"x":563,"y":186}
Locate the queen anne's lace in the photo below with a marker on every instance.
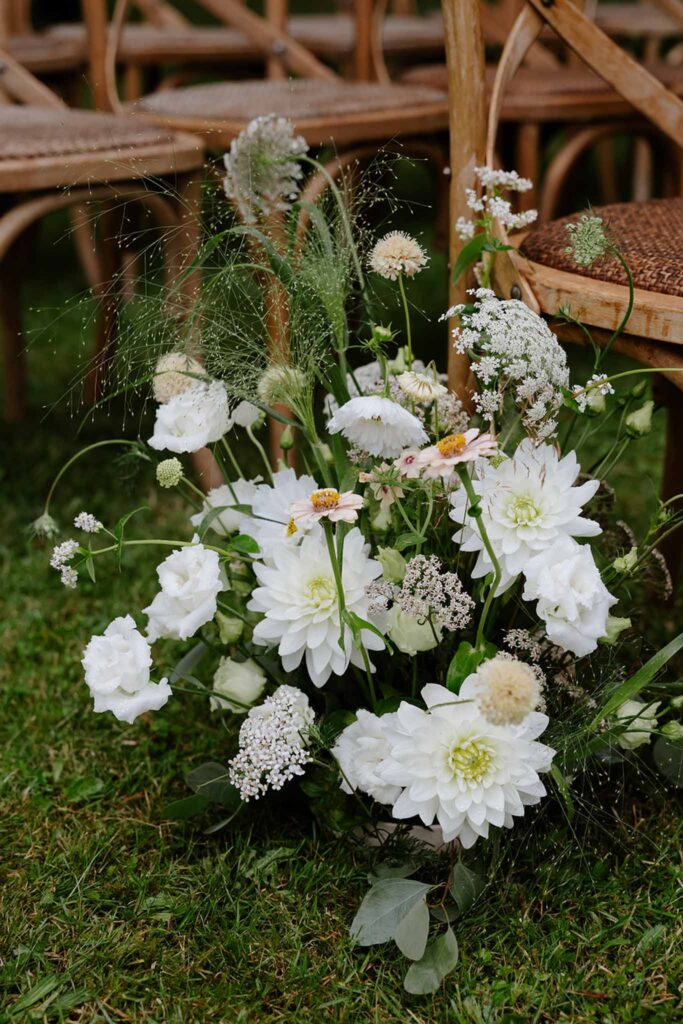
{"x":426,"y":591}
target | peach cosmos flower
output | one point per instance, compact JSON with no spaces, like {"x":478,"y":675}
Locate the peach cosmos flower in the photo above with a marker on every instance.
{"x":327,"y":503}
{"x":408,"y":464}
{"x":440,"y":459}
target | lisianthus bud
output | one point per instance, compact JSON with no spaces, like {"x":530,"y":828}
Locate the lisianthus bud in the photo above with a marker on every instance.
{"x":615,"y":627}
{"x":410,"y":633}
{"x":638,"y":390}
{"x":287,"y":439}
{"x":229,"y":628}
{"x":169,"y":473}
{"x":639,"y":422}
{"x":393,"y":564}
{"x":625,"y":563}
{"x":640,"y":720}
{"x":673,"y":730}
{"x":325,"y":453}
{"x":382,"y":519}
{"x":237,"y":685}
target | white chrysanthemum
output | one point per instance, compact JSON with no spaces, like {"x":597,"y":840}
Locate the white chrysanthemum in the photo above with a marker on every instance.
{"x":505,"y":689}
{"x":359,"y":750}
{"x":457,"y":768}
{"x":397,"y":253}
{"x":420,"y":387}
{"x":528,"y":503}
{"x":262,"y":171}
{"x":193,"y":419}
{"x":378,"y":426}
{"x":175,"y":373}
{"x":272,"y":521}
{"x":117,"y":668}
{"x":573,"y":601}
{"x":297,"y":595}
{"x":240,"y":492}
{"x":237,"y":685}
{"x":190,"y":581}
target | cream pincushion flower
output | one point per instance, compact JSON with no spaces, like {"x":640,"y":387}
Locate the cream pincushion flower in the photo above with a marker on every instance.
{"x":359,"y":751}
{"x":440,"y":459}
{"x":505,"y":689}
{"x":420,"y":387}
{"x":190,"y":581}
{"x":457,"y":768}
{"x":272,"y":523}
{"x":240,"y":492}
{"x":297,"y":596}
{"x":327,"y":503}
{"x":175,"y":373}
{"x":117,"y":671}
{"x":528,"y":503}
{"x":378,"y":426}
{"x":192,"y":419}
{"x":397,"y":253}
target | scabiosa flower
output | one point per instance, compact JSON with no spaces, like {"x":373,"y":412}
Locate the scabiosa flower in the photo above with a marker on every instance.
{"x":190,"y":581}
{"x":420,"y":387}
{"x":169,"y":472}
{"x":272,"y":743}
{"x":456,"y":767}
{"x":528,"y":503}
{"x":226,"y":497}
{"x":297,"y":595}
{"x":262,"y":170}
{"x":506,"y":690}
{"x":271,"y":522}
{"x":378,"y":426}
{"x":281,"y":385}
{"x":193,"y":419}
{"x":440,"y":459}
{"x":397,"y":253}
{"x":87,"y":522}
{"x":44,"y":526}
{"x":587,"y":240}
{"x":175,"y":373}
{"x":327,"y":503}
{"x":360,"y":749}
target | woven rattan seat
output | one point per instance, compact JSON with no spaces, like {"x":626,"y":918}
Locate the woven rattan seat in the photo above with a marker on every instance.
{"x":42,"y":54}
{"x":650,"y":235}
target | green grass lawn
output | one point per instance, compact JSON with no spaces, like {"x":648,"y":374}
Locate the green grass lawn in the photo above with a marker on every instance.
{"x":111,"y":913}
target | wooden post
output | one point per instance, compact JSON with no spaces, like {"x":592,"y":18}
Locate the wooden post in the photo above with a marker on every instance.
{"x":467,"y":106}
{"x":276,"y":14}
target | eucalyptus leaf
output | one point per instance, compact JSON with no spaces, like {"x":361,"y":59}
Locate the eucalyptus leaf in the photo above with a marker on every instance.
{"x":439,"y":959}
{"x":188,"y":807}
{"x":383,"y":909}
{"x":211,"y":781}
{"x":466,"y":885}
{"x":412,"y":933}
{"x":668,"y":756}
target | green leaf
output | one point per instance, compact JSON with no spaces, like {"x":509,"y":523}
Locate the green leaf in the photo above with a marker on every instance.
{"x":187,"y":662}
{"x":383,"y":909}
{"x":90,"y":568}
{"x":465,"y":661}
{"x":468,"y":255}
{"x":668,"y":756}
{"x":645,"y":674}
{"x":80,"y":790}
{"x":412,"y":933}
{"x":650,"y":938}
{"x":188,"y":807}
{"x":465,"y":886}
{"x":407,"y":540}
{"x":211,"y":781}
{"x":356,"y":624}
{"x":119,"y":530}
{"x":439,"y":959}
{"x":36,"y":994}
{"x":244,"y":544}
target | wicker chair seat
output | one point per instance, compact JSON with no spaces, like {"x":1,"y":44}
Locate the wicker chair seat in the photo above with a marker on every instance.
{"x":41,"y":54}
{"x":649,"y":234}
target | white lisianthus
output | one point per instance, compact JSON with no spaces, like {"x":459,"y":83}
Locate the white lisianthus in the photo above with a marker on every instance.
{"x":241,"y":492}
{"x":237,"y":685}
{"x":640,"y":720}
{"x":175,"y":373}
{"x":359,"y":751}
{"x":117,"y":671}
{"x":378,"y":426}
{"x":192,"y":419}
{"x":297,"y":595}
{"x":410,"y":633}
{"x":272,"y":523}
{"x":457,"y":768}
{"x":573,"y":601}
{"x":528,"y":503}
{"x":190,"y":581}
{"x":246,"y":414}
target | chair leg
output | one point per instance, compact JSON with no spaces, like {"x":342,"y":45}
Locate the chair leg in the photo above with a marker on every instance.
{"x":12,"y":340}
{"x":106,"y":292}
{"x":672,"y":481}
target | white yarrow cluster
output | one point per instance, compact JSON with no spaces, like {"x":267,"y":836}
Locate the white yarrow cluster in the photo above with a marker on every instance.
{"x":262,"y":172}
{"x":487,"y":201}
{"x":88,"y":523}
{"x":62,"y":555}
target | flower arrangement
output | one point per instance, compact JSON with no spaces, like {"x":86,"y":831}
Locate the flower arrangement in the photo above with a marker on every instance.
{"x":421,"y":614}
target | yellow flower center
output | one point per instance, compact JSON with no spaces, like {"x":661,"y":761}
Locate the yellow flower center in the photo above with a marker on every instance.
{"x":322,"y":591}
{"x":325,"y":499}
{"x":523,"y":510}
{"x":292,"y":528}
{"x":451,"y":445}
{"x":470,"y":759}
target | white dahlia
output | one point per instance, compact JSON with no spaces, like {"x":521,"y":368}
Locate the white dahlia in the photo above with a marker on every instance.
{"x":359,"y":750}
{"x":272,"y":521}
{"x":528,"y":503}
{"x":378,"y":426}
{"x":299,"y":601}
{"x":226,"y":497}
{"x":457,"y":768}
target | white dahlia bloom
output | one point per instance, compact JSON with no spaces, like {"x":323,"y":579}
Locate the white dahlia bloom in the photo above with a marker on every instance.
{"x":192,"y":419}
{"x":175,"y":373}
{"x":359,"y":751}
{"x":528,"y":503}
{"x":237,"y":685}
{"x":397,"y":253}
{"x":457,"y":768}
{"x":190,"y":581}
{"x":272,"y":521}
{"x":573,"y":601}
{"x":117,"y":668}
{"x":378,"y":426}
{"x":227,"y":496}
{"x":298,"y":598}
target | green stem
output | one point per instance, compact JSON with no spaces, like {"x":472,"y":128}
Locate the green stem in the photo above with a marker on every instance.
{"x":233,"y":461}
{"x":74,"y":458}
{"x":406,"y":313}
{"x":163,"y":543}
{"x":257,"y":444}
{"x":627,"y":315}
{"x":473,"y":500}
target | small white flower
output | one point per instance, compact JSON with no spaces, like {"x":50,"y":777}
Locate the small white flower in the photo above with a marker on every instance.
{"x":190,"y":581}
{"x":169,"y":473}
{"x":378,"y":426}
{"x":505,"y":689}
{"x":117,"y":671}
{"x":443,"y":458}
{"x":226,"y":496}
{"x":508,"y":180}
{"x":464,"y":228}
{"x":640,"y":721}
{"x":63,"y":553}
{"x":420,"y":387}
{"x":573,"y":601}
{"x":193,"y":419}
{"x":327,"y":503}
{"x":246,"y":414}
{"x":69,"y":577}
{"x":44,"y":526}
{"x":237,"y":685}
{"x":262,"y":171}
{"x":87,"y":522}
{"x":359,"y":751}
{"x":397,"y":253}
{"x":589,"y":396}
{"x":175,"y":373}
{"x":272,"y":523}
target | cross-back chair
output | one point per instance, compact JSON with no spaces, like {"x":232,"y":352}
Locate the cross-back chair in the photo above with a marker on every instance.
{"x":650,"y":234}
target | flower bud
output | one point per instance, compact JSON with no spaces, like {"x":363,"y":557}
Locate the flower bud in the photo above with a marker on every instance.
{"x":237,"y":685}
{"x":411,"y":634}
{"x":673,"y":731}
{"x":287,"y":439}
{"x":382,"y":519}
{"x":625,"y":563}
{"x":639,"y":422}
{"x":169,"y":473}
{"x":325,"y":453}
{"x":393,"y":564}
{"x":639,"y":390}
{"x":229,"y":628}
{"x":615,"y":627}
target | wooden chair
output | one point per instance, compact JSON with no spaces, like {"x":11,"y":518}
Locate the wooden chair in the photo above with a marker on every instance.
{"x":650,"y":234}
{"x":53,"y":157}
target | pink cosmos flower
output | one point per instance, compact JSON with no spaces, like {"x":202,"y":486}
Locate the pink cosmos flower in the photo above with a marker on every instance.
{"x":440,"y":459}
{"x":407,"y":464}
{"x":385,"y":493}
{"x":329,"y":503}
